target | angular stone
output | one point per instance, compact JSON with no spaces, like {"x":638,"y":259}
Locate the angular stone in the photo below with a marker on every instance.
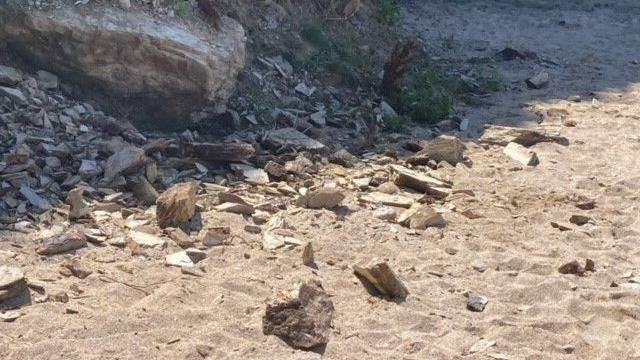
{"x":420,"y":217}
{"x":538,"y":81}
{"x":14,"y":95}
{"x":443,"y":148}
{"x":235,"y":208}
{"x":77,"y":269}
{"x":503,"y":135}
{"x":521,"y":154}
{"x":379,"y":278}
{"x":180,"y":259}
{"x":89,"y":168}
{"x":476,"y":303}
{"x":214,"y":237}
{"x":482,"y":345}
{"x":79,"y":207}
{"x":251,"y":174}
{"x":324,"y":198}
{"x":123,"y":162}
{"x":303,"y":319}
{"x":47,"y":80}
{"x":73,"y":239}
{"x":574,"y":267}
{"x":274,"y":169}
{"x":218,"y":151}
{"x":168,"y":68}
{"x":343,"y":158}
{"x":145,"y":240}
{"x":386,"y":199}
{"x":34,"y":199}
{"x":177,"y":205}
{"x":580,"y":219}
{"x":9,"y":76}
{"x":385,"y":213}
{"x":10,"y":276}
{"x":292,"y":137}
{"x":307,"y":255}
{"x":420,"y":182}
{"x":144,"y":191}
{"x":181,"y":238}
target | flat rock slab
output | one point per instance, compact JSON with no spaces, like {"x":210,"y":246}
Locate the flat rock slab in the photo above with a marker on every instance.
{"x":321,"y":199}
{"x":284,"y":137}
{"x":163,"y":67}
{"x":302,"y":320}
{"x":73,"y":239}
{"x":9,"y":76}
{"x":10,"y":276}
{"x":387,"y":199}
{"x":521,"y":154}
{"x":503,"y":135}
{"x":123,"y":162}
{"x":14,"y":95}
{"x":378,"y":277}
{"x":145,"y":240}
{"x":219,"y":151}
{"x":443,"y":148}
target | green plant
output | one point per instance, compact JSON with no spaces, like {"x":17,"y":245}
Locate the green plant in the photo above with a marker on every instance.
{"x":394,"y":123}
{"x":426,"y":96}
{"x":388,"y":12}
{"x":181,"y":8}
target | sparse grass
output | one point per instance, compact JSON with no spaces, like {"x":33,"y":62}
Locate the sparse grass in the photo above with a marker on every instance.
{"x":338,"y":53}
{"x":262,"y":103}
{"x":426,"y":96}
{"x":181,"y":8}
{"x":388,"y":12}
{"x":394,"y":123}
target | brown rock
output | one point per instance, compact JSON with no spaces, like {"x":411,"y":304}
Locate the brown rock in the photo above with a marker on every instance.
{"x":219,"y":152}
{"x":144,"y":191}
{"x":503,"y":135}
{"x":124,"y":162}
{"x":580,"y":219}
{"x":443,"y":148}
{"x":421,"y":182}
{"x":235,"y":208}
{"x":325,"y":198}
{"x":302,"y":320}
{"x":379,"y":279}
{"x":307,"y":255}
{"x":73,"y":239}
{"x":79,"y":207}
{"x":177,"y":205}
{"x":181,"y":238}
{"x":386,"y":199}
{"x":574,"y":267}
{"x":77,"y":269}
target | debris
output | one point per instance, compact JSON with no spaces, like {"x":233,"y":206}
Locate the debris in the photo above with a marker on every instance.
{"x":235,"y":208}
{"x":324,"y":198}
{"x":423,"y":183}
{"x":574,"y":267}
{"x":14,"y":95}
{"x":476,"y":303}
{"x":89,"y":168}
{"x":9,"y":76}
{"x":385,"y":213}
{"x":482,"y":345}
{"x":388,"y":188}
{"x":379,"y":278}
{"x":274,"y":169}
{"x":79,"y":207}
{"x":229,"y":152}
{"x":538,"y":81}
{"x":343,"y":158}
{"x":420,"y":217}
{"x":503,"y":135}
{"x":124,"y":161}
{"x":386,"y":199}
{"x":185,"y":258}
{"x":251,"y":174}
{"x":180,"y":237}
{"x":580,"y":220}
{"x":76,"y":268}
{"x":72,"y":239}
{"x":34,"y":199}
{"x":521,"y":154}
{"x":144,"y":191}
{"x":443,"y":148}
{"x":302,"y":319}
{"x":214,"y":237}
{"x":305,"y":90}
{"x":177,"y":205}
{"x":319,"y":118}
{"x":145,"y":240}
{"x":561,"y":226}
{"x":307,"y":255}
{"x":291,"y":137}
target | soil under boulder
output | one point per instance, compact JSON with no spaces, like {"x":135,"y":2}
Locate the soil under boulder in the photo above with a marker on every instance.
{"x":162,"y":66}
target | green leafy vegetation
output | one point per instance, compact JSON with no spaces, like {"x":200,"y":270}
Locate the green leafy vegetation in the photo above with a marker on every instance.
{"x":181,"y":8}
{"x":388,"y":11}
{"x":425,"y":98}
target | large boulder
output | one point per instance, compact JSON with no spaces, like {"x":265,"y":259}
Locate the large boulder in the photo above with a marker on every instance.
{"x":162,"y":66}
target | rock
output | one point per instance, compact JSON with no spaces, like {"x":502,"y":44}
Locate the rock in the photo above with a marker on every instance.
{"x":181,"y":238}
{"x":305,"y":90}
{"x":387,"y":111}
{"x":538,"y":81}
{"x":385,"y":213}
{"x":521,"y":154}
{"x":251,"y":174}
{"x":185,"y":258}
{"x":580,"y":220}
{"x":503,"y":135}
{"x":177,"y":205}
{"x":482,"y":345}
{"x":123,"y":162}
{"x":388,"y":188}
{"x":214,"y":237}
{"x":73,"y":239}
{"x":9,"y":76}
{"x":284,"y":137}
{"x":235,"y":208}
{"x":145,"y":192}
{"x":476,"y":303}
{"x":47,"y":80}
{"x":77,"y":269}
{"x":85,"y":46}
{"x":423,"y":183}
{"x":443,"y":148}
{"x":10,"y":316}
{"x":319,"y":118}
{"x":420,"y":217}
{"x":562,"y":226}
{"x":324,"y":198}
{"x":10,"y":277}
{"x":464,"y":125}
{"x":569,"y":122}
{"x":14,"y":95}
{"x":125,"y":4}
{"x":343,"y":158}
{"x":13,"y":289}
{"x":386,"y":199}
{"x":509,"y":54}
{"x":274,"y":169}
{"x":303,"y":319}
{"x":89,"y":168}
{"x":145,"y":241}
{"x":34,"y":199}
{"x":574,"y":267}
{"x":79,"y":207}
{"x":568,"y":349}
{"x":307,"y":255}
{"x":379,"y":278}
{"x":229,"y":152}
{"x":253,"y":229}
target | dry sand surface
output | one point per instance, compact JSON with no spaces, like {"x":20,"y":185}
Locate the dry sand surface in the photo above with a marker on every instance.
{"x":137,"y":308}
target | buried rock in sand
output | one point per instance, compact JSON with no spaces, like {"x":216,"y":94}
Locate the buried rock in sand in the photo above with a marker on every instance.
{"x":378,"y":278}
{"x":303,"y":319}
